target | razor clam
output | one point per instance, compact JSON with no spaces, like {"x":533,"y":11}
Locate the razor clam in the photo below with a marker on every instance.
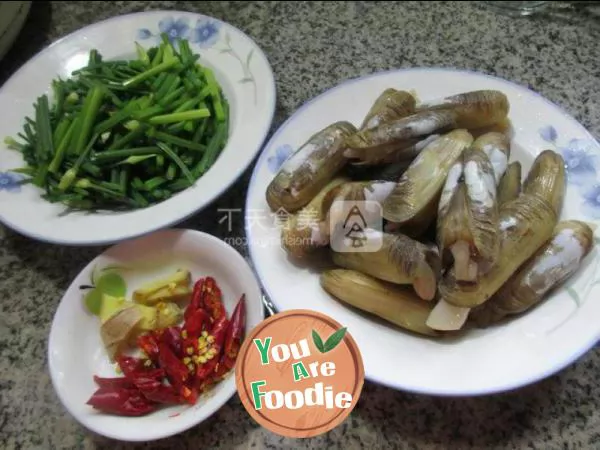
{"x":547,"y":179}
{"x":309,"y":168}
{"x":398,"y":259}
{"x":551,"y":266}
{"x":302,"y":234}
{"x":404,"y":152}
{"x":526,"y":223}
{"x":473,"y":109}
{"x":395,"y":304}
{"x":510,"y":184}
{"x":412,"y":204}
{"x":399,"y":134}
{"x":380,"y":172}
{"x":497,"y":147}
{"x":447,"y":317}
{"x":467,"y":225}
{"x":390,"y":105}
{"x":503,"y":126}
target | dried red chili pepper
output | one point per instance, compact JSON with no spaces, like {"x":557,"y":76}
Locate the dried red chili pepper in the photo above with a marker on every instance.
{"x":206,"y":371}
{"x":212,"y":300}
{"x":121,"y":401}
{"x":233,"y":339}
{"x":196,"y":301}
{"x":155,"y":374}
{"x":130,"y":365}
{"x":172,"y":337}
{"x":177,"y":372}
{"x":194,"y":324}
{"x":117,"y":382}
{"x":149,"y":345}
{"x":189,"y":394}
{"x":237,"y":326}
{"x":156,"y":391}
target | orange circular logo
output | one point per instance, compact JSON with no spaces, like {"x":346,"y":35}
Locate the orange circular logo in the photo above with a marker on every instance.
{"x":299,"y":373}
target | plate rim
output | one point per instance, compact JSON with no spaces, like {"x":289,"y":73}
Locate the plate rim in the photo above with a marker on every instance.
{"x":207,"y":200}
{"x":497,"y":389}
{"x":173,"y":233}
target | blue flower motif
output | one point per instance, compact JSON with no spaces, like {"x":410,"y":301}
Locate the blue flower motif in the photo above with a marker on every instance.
{"x":591,"y":201}
{"x":580,"y":161}
{"x":282,"y":153}
{"x":144,"y":33}
{"x":205,"y":33}
{"x":174,"y":29}
{"x":10,"y":182}
{"x":548,"y":133}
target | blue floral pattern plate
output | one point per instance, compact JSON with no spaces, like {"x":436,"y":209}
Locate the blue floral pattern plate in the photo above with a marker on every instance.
{"x":500,"y":358}
{"x":241,"y":68}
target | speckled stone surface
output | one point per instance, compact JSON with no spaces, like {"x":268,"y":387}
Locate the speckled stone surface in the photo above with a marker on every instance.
{"x":312,"y":47}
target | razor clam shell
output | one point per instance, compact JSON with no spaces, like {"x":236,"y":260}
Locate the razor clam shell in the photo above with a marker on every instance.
{"x":509,"y":187}
{"x":380,"y":172}
{"x":413,"y":202}
{"x":301,"y":235}
{"x":550,"y":267}
{"x":390,"y":105}
{"x":399,"y":260}
{"x":405,"y":152}
{"x":526,"y":223}
{"x":468,"y":209}
{"x":474,"y":109}
{"x":497,"y":147}
{"x":395,"y":304}
{"x":547,"y":178}
{"x":403,"y":132}
{"x":309,"y":168}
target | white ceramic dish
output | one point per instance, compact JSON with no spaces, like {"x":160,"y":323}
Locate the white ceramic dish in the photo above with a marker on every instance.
{"x":523,"y":351}
{"x":12,"y":19}
{"x":75,"y":350}
{"x":241,"y":69}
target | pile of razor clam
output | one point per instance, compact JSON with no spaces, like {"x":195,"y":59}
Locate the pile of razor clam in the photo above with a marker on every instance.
{"x":465,"y":241}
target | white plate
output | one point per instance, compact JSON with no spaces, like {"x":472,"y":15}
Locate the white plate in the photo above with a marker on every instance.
{"x":241,"y":69}
{"x":500,"y":358}
{"x":75,"y":350}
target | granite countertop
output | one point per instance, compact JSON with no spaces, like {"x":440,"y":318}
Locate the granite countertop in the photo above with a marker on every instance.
{"x":312,"y":47}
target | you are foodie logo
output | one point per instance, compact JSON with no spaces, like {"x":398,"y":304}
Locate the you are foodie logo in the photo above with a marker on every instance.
{"x":299,"y":374}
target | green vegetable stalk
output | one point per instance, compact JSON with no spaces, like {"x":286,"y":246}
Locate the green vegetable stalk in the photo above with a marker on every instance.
{"x":125,"y":134}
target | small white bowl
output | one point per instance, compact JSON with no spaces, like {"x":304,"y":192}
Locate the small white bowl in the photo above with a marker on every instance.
{"x":241,"y":69}
{"x":75,"y":350}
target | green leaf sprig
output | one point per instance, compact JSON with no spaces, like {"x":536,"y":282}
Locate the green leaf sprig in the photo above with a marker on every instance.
{"x":331,"y":342}
{"x":109,"y":283}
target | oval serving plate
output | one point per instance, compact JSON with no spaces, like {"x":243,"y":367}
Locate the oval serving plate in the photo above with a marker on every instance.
{"x":242,"y":70}
{"x":507,"y":356}
{"x":75,"y":349}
